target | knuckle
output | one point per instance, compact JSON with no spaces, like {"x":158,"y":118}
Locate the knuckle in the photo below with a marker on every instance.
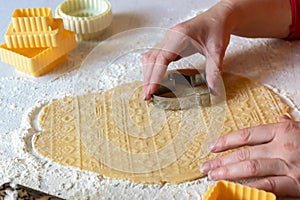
{"x":245,"y":135}
{"x":290,"y":146}
{"x":290,"y":126}
{"x":162,"y":59}
{"x":181,"y":27}
{"x":286,"y":127}
{"x":216,"y":49}
{"x":243,"y":154}
{"x":224,"y":172}
{"x":270,"y":184}
{"x":253,"y":166}
{"x":218,"y":162}
{"x":147,"y":57}
{"x":295,"y":177}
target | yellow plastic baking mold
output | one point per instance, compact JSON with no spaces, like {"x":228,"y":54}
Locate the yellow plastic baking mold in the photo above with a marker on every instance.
{"x":38,"y":61}
{"x":35,"y":39}
{"x":231,"y":191}
{"x":32,"y":19}
{"x":87,"y":18}
{"x":33,"y":28}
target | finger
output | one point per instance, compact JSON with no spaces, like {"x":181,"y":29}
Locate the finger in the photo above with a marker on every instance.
{"x":155,"y":64}
{"x":175,"y":40}
{"x":250,"y":153}
{"x":162,"y":61}
{"x":215,"y":52}
{"x":155,"y":61}
{"x":249,"y":169}
{"x":213,"y":74}
{"x":279,"y":185}
{"x":247,"y":136}
{"x":148,"y":61}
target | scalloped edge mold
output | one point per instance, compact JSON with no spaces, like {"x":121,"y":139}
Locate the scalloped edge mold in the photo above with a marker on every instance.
{"x":32,"y":19}
{"x":37,"y":39}
{"x":38,"y":61}
{"x":226,"y":190}
{"x":87,"y":18}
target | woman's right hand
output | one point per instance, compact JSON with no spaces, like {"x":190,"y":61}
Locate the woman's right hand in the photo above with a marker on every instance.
{"x":208,"y":33}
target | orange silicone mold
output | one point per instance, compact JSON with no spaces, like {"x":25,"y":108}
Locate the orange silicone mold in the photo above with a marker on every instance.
{"x":35,"y":39}
{"x":38,"y":61}
{"x":227,"y":191}
{"x":32,"y":19}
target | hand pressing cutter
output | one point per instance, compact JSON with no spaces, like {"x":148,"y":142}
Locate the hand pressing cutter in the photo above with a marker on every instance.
{"x":182,"y":91}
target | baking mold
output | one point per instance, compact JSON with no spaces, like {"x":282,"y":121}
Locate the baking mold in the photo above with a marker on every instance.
{"x":38,"y":61}
{"x":32,"y":19}
{"x":87,"y":18}
{"x":35,"y":39}
{"x":228,"y":190}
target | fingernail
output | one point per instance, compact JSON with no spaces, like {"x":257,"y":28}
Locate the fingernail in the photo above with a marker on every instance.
{"x":205,"y":168}
{"x":212,"y":175}
{"x":287,"y":115}
{"x":212,"y":146}
{"x":211,"y":91}
{"x":209,"y":176}
{"x":146,"y":93}
{"x":143,"y":94}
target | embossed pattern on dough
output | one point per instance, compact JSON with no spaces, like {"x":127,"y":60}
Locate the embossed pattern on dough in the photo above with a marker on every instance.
{"x":144,"y":144}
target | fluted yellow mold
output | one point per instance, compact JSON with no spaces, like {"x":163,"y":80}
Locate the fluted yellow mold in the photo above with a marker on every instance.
{"x":225,"y":190}
{"x":35,"y":39}
{"x":32,"y":19}
{"x":38,"y":61}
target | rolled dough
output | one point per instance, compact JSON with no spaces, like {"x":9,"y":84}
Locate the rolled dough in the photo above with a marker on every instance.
{"x":124,"y":137}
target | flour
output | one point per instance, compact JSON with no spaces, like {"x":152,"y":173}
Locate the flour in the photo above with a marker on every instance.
{"x":21,"y":165}
{"x":71,"y":183}
{"x":111,"y":63}
{"x":295,"y":111}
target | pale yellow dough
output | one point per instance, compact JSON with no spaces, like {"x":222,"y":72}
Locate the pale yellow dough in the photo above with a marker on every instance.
{"x":136,"y":141}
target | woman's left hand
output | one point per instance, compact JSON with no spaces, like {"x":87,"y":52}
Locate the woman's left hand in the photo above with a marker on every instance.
{"x":272,"y":155}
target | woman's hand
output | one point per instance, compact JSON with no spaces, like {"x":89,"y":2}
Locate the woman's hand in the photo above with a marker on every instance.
{"x":272,"y":154}
{"x":207,"y":33}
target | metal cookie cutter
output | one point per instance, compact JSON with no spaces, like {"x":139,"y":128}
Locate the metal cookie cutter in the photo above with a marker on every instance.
{"x":182,"y":91}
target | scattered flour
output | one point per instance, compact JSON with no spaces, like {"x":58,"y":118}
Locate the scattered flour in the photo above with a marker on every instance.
{"x":119,"y":63}
{"x":111,"y":63}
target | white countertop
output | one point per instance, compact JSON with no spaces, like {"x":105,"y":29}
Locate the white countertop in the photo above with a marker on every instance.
{"x":275,"y":63}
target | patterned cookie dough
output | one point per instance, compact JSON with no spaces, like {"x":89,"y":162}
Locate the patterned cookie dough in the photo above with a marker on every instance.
{"x":118,"y":135}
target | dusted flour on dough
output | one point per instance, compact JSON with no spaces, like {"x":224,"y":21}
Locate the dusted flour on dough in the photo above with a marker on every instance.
{"x":128,"y":138}
{"x":272,"y":62}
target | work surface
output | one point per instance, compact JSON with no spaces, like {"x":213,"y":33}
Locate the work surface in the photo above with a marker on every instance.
{"x":275,"y":63}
